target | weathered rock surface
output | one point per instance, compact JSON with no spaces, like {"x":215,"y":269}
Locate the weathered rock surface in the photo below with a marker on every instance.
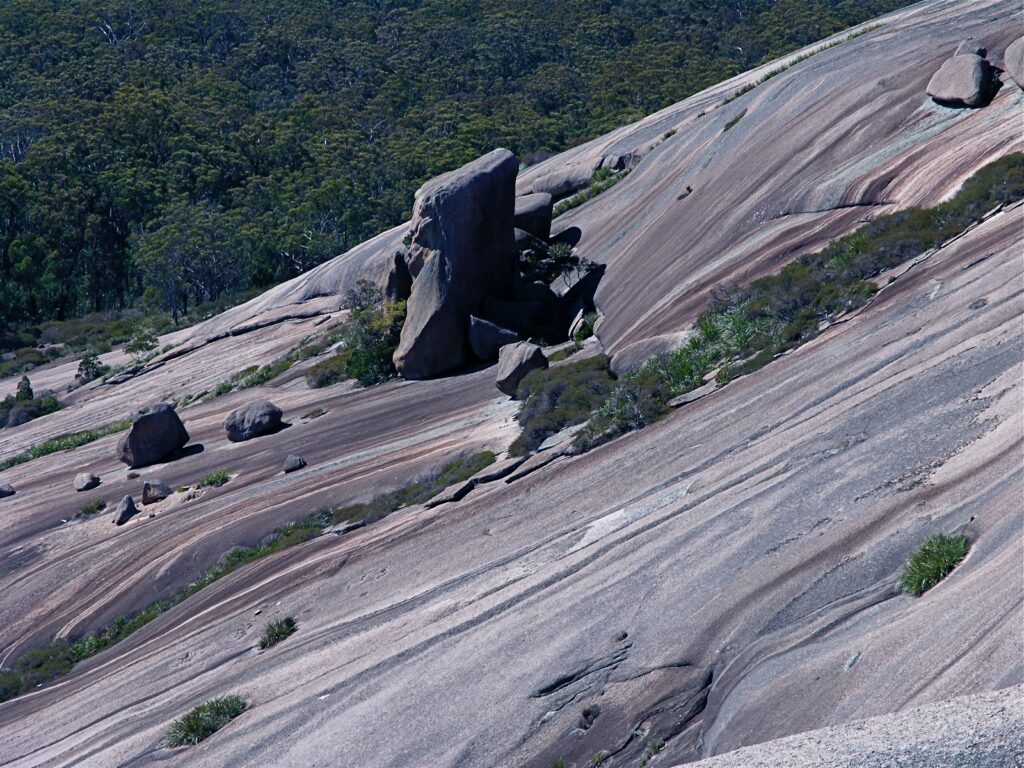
{"x":396,"y":282}
{"x":125,"y":510}
{"x":153,"y":437}
{"x":6,"y":490}
{"x":462,"y":231}
{"x":251,"y":420}
{"x":962,"y":79}
{"x":86,"y":481}
{"x":514,"y":362}
{"x":972,"y":47}
{"x":486,"y":338}
{"x":154,"y":491}
{"x":293,"y":463}
{"x":1013,"y":61}
{"x":533,"y":214}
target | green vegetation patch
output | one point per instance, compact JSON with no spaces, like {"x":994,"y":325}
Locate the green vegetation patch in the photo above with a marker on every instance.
{"x":204,"y":721}
{"x":558,"y":397}
{"x":65,"y":443}
{"x":276,"y":631}
{"x":368,"y":341}
{"x":603,"y":179}
{"x":214,"y":479}
{"x":932,"y":562}
{"x":92,"y":508}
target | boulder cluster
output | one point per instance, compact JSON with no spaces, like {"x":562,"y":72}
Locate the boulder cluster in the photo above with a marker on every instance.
{"x":478,"y":270}
{"x":967,"y":79}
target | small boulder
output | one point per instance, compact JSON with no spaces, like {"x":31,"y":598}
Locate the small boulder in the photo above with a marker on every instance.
{"x":155,"y":491}
{"x":970,"y":46}
{"x":86,"y":481}
{"x":514,"y":362}
{"x":6,"y":490}
{"x":153,"y":437}
{"x":252,"y":419}
{"x":1013,"y":61}
{"x":486,"y":338}
{"x":963,"y":79}
{"x":526,"y":241}
{"x":125,"y":511}
{"x":293,"y":463}
{"x":533,"y":214}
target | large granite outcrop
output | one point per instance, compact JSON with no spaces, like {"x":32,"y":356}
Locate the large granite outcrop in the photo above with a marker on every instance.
{"x":462,"y":250}
{"x":1013,"y":61}
{"x":154,"y":436}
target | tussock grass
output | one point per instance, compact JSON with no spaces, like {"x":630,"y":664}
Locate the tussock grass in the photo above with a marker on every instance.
{"x":65,"y":443}
{"x":276,"y":631}
{"x":214,"y":479}
{"x":933,"y":561}
{"x":204,"y":721}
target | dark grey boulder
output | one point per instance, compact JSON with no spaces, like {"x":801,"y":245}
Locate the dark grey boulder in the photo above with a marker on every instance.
{"x":528,"y":242}
{"x":533,"y":214}
{"x":251,"y":420}
{"x":541,"y":317}
{"x":514,"y":362}
{"x":153,"y":437}
{"x":486,"y":338}
{"x":962,"y":80}
{"x":86,"y":481}
{"x":125,"y":511}
{"x":6,"y":490}
{"x":462,"y":234}
{"x":155,"y":491}
{"x":293,"y":463}
{"x":1013,"y":61}
{"x":396,"y":282}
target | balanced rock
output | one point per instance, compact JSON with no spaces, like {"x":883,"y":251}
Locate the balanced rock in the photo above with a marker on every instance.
{"x":486,"y":338}
{"x":462,"y":234}
{"x":1013,"y":61}
{"x":514,"y":362}
{"x":252,"y":419}
{"x":155,"y":491}
{"x":6,"y":490}
{"x":153,"y":437}
{"x":293,"y":463}
{"x":86,"y":481}
{"x":533,"y":214}
{"x":125,"y":511}
{"x":962,"y":79}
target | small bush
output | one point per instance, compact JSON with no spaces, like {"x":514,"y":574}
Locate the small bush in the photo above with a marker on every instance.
{"x":586,"y":329}
{"x":739,"y":116}
{"x":204,"y":721}
{"x":214,"y":479}
{"x":932,"y":562}
{"x":90,"y":368}
{"x":92,"y":508}
{"x":276,"y":631}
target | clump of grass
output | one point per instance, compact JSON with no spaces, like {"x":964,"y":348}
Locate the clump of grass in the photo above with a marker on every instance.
{"x":589,"y":715}
{"x":64,"y":443}
{"x":204,"y":721}
{"x":559,"y":397}
{"x":316,"y":413}
{"x":932,"y":562}
{"x":276,"y":631}
{"x":603,"y":179}
{"x":92,"y":508}
{"x":739,"y":116}
{"x":214,"y":479}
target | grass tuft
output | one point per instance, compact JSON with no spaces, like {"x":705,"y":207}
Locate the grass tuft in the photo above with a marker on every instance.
{"x":276,"y":631}
{"x":65,"y":443}
{"x":932,"y":562}
{"x":204,"y":721}
{"x":214,"y":479}
{"x":92,"y":508}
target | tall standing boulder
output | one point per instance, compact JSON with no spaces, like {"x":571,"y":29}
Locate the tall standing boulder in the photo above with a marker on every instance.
{"x":1013,"y":61}
{"x":251,"y":420}
{"x":964,"y":79}
{"x":153,"y":437}
{"x":125,"y":510}
{"x":462,"y":236}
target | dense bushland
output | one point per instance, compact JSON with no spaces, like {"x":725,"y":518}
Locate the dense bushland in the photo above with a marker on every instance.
{"x":161,"y":154}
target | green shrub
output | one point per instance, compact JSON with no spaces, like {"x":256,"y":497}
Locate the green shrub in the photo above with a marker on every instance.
{"x":739,"y":116}
{"x":603,"y":179}
{"x":559,"y":397}
{"x":92,"y":508}
{"x":204,"y":721}
{"x":276,"y":631}
{"x":214,"y":479}
{"x":586,"y":329}
{"x":65,"y":443}
{"x":90,"y":368}
{"x":932,"y":562}
{"x":10,"y":685}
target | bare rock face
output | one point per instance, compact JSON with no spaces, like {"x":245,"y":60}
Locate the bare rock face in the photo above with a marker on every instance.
{"x":153,"y":437}
{"x":514,"y":362}
{"x":462,"y":235}
{"x":1013,"y":61}
{"x":963,"y":79}
{"x":396,"y":282}
{"x":155,"y":491}
{"x":251,"y":420}
{"x":125,"y":511}
{"x":86,"y":481}
{"x":533,"y":214}
{"x":487,"y":338}
{"x":6,"y":490}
